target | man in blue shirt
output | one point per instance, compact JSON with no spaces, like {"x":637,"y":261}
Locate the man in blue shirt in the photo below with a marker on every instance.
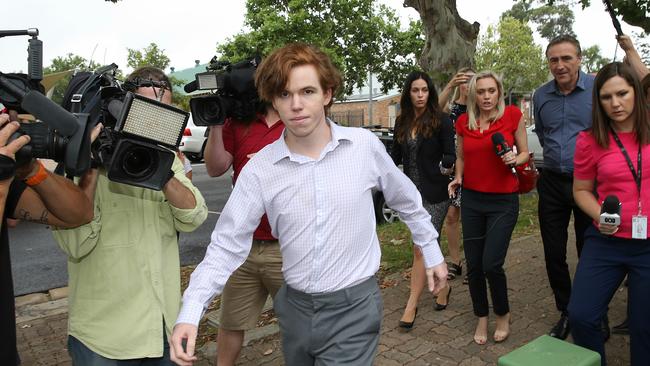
{"x":562,"y":109}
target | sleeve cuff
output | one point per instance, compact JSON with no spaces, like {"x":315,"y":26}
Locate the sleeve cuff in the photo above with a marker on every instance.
{"x":187,"y":215}
{"x":191,"y":313}
{"x":432,"y":255}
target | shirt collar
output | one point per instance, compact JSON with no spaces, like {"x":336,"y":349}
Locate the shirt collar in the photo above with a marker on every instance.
{"x":281,"y":151}
{"x":580,"y":84}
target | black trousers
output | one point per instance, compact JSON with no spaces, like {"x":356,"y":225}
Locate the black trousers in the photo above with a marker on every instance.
{"x":488,"y":221}
{"x":555,"y":207}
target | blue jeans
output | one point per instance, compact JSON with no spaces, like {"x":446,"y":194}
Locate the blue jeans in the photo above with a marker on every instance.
{"x":604,"y":262}
{"x":84,"y":356}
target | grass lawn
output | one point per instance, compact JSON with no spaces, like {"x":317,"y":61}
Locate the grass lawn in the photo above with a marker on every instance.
{"x":397,"y":250}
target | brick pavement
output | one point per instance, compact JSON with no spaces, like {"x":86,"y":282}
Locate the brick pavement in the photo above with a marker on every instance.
{"x":438,"y":338}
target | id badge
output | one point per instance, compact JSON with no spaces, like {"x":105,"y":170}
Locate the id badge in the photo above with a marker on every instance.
{"x":639,"y":227}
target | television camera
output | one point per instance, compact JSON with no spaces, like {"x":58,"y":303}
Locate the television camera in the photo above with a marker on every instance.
{"x":232,"y":92}
{"x":56,"y":134}
{"x":139,"y":135}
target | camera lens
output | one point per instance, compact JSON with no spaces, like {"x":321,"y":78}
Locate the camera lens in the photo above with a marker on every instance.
{"x":139,"y":162}
{"x":209,"y":110}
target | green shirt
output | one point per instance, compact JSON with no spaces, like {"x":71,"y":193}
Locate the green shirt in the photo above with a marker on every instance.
{"x":124,"y":268}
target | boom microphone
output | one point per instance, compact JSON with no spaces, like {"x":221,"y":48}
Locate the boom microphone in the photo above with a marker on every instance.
{"x":501,"y":148}
{"x":190,"y":87}
{"x":610,"y":9}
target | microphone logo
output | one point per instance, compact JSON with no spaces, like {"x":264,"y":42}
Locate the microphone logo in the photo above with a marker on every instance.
{"x":501,"y":148}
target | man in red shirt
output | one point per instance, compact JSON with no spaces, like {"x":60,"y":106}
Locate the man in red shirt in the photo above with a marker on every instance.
{"x":234,"y":144}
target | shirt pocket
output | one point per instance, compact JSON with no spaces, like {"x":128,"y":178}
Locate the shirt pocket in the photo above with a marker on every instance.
{"x":118,"y":224}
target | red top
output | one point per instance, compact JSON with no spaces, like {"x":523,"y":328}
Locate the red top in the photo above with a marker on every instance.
{"x":241,"y":141}
{"x":609,"y":169}
{"x":484,"y":171}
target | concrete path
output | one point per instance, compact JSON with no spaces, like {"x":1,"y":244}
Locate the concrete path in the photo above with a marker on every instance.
{"x":438,"y":338}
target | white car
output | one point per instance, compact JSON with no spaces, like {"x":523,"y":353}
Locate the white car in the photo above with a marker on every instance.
{"x":193,"y":141}
{"x":535,"y":147}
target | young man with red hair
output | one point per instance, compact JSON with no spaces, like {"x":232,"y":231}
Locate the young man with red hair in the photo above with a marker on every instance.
{"x":315,"y":184}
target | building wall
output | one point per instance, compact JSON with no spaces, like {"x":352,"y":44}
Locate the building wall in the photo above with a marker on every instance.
{"x":356,"y":113}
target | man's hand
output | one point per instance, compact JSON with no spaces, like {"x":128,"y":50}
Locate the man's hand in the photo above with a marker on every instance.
{"x":7,"y":129}
{"x":179,"y":355}
{"x":437,"y":277}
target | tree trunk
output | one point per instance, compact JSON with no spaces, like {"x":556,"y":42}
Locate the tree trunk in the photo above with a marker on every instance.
{"x":450,"y":40}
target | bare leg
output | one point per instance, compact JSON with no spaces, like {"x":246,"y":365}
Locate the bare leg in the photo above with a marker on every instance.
{"x":502,"y":330}
{"x":452,"y":229}
{"x":229,"y":344}
{"x":418,"y":280}
{"x":480,"y":335}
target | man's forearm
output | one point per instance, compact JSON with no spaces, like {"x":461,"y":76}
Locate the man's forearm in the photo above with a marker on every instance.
{"x":65,"y":200}
{"x":178,"y":195}
{"x":88,"y":183}
{"x":217,"y":159}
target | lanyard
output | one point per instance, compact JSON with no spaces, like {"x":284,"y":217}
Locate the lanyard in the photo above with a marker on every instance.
{"x":637,"y":174}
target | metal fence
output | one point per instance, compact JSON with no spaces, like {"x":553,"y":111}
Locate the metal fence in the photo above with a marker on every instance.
{"x":353,"y":118}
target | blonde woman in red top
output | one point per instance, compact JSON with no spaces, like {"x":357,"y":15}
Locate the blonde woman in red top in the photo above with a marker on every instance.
{"x":489,"y":196}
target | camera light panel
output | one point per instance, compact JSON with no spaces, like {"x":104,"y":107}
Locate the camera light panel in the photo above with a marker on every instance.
{"x":207,"y":80}
{"x":152,"y":120}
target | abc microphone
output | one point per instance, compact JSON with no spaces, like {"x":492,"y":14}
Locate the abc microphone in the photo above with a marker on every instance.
{"x":501,"y":148}
{"x":610,"y":212}
{"x":447,"y":164}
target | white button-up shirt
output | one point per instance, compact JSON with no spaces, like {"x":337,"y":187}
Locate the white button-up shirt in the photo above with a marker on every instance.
{"x":321,"y":211}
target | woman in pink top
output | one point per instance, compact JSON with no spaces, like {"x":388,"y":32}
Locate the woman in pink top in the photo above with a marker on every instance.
{"x":613,"y":159}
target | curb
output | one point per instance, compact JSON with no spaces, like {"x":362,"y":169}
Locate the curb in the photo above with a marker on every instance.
{"x":41,"y":304}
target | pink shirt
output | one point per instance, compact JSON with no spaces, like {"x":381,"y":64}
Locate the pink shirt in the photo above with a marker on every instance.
{"x":609,"y":168}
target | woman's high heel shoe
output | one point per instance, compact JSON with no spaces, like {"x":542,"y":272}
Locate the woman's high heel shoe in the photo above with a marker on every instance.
{"x":454,"y":270}
{"x":440,"y":307}
{"x":408,"y":325}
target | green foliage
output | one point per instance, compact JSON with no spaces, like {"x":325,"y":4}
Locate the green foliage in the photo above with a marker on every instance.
{"x":633,"y":12}
{"x":509,"y":51}
{"x":592,"y":60}
{"x":69,"y":62}
{"x":151,"y":55}
{"x":551,"y":20}
{"x":358,"y":35}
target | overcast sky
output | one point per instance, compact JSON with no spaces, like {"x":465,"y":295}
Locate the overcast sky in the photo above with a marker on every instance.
{"x":188,"y":30}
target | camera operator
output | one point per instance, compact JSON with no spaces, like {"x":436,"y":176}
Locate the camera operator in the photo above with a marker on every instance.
{"x":30,"y":193}
{"x":233,"y":144}
{"x":124,"y":265}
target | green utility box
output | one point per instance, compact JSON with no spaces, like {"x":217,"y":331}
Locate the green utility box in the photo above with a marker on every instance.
{"x":547,"y":350}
